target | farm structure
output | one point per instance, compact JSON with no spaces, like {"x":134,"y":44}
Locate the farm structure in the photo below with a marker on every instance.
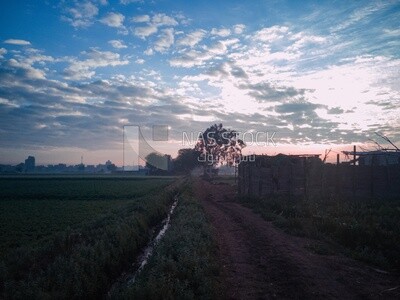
{"x":378,"y":157}
{"x":308,"y":175}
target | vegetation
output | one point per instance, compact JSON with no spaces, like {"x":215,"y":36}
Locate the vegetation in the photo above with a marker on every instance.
{"x":184,"y":264}
{"x":219,"y":145}
{"x":63,"y":247}
{"x":77,"y":187}
{"x":158,"y":164}
{"x":366,"y":230}
{"x":186,"y":161}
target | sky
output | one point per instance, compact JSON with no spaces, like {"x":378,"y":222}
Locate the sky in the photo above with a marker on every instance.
{"x":319,"y":74}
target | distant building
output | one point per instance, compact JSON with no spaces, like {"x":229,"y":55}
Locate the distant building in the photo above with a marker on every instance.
{"x":30,"y":164}
{"x":377,"y":158}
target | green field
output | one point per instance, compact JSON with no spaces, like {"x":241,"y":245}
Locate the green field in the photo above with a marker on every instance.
{"x":71,"y":237}
{"x":184,"y":264}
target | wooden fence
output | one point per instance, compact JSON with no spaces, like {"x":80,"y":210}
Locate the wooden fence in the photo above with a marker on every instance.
{"x":309,"y":176}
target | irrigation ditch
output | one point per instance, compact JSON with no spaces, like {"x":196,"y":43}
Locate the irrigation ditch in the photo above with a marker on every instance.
{"x":128,"y":277}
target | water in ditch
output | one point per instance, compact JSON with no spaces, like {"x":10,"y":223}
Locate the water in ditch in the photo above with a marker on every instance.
{"x":127,"y":280}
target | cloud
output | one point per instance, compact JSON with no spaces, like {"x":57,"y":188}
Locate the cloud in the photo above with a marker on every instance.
{"x":118,"y":44}
{"x":288,"y":108}
{"x":29,"y":63}
{"x":42,"y":112}
{"x":291,"y":81}
{"x":165,"y":40}
{"x":192,"y":57}
{"x":239,"y":28}
{"x":145,"y":31}
{"x":391,"y":32}
{"x":17,"y":42}
{"x":222,"y":32}
{"x":335,"y":111}
{"x":265,"y":91}
{"x":2,"y":52}
{"x":82,"y":14}
{"x":126,"y":2}
{"x":238,"y":72}
{"x":141,"y":19}
{"x":192,"y":38}
{"x":360,"y":14}
{"x":113,"y":20}
{"x":84,"y":69}
{"x":25,"y":69}
{"x":152,"y":24}
{"x":163,"y":20}
{"x":270,"y":34}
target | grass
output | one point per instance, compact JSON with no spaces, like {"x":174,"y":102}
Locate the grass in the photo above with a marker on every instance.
{"x":70,"y":238}
{"x":184,"y":265}
{"x":34,"y":208}
{"x":225,"y":179}
{"x":77,"y":188}
{"x":364,"y":229}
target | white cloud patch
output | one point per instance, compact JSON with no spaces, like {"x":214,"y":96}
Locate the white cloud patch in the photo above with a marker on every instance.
{"x":239,"y":28}
{"x":222,"y":32}
{"x":118,"y":44}
{"x":84,"y":69}
{"x":2,"y":52}
{"x":194,"y":58}
{"x":149,"y":52}
{"x":360,"y":14}
{"x":82,"y":14}
{"x":163,"y":20}
{"x":28,"y":71}
{"x":165,"y":40}
{"x":152,"y":24}
{"x":392,"y":32}
{"x":192,"y":38}
{"x":126,"y":2}
{"x":144,"y":31}
{"x":141,"y":19}
{"x":17,"y":42}
{"x":113,"y":20}
{"x":271,"y":34}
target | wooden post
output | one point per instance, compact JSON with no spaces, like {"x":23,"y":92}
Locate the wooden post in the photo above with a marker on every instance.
{"x":235,"y":166}
{"x":250,"y":178}
{"x":354,"y":171}
{"x":305,"y":176}
{"x":337,"y":174}
{"x":291,"y":181}
{"x":372,"y":175}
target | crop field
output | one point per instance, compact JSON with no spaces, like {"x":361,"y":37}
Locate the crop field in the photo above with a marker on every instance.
{"x":185,"y":264}
{"x":71,"y":237}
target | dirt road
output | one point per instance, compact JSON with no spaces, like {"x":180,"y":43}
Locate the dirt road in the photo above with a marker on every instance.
{"x":262,"y":262}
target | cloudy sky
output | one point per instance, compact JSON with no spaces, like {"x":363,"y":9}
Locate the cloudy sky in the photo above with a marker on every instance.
{"x":321,"y":74}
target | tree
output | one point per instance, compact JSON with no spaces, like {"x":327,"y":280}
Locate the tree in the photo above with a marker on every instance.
{"x":158,"y":164}
{"x":218,"y":145}
{"x":187,"y":160}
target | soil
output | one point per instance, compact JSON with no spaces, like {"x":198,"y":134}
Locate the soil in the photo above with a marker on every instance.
{"x":260,"y":261}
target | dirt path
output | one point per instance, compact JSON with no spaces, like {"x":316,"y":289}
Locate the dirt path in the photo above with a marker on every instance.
{"x":262,"y":262}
